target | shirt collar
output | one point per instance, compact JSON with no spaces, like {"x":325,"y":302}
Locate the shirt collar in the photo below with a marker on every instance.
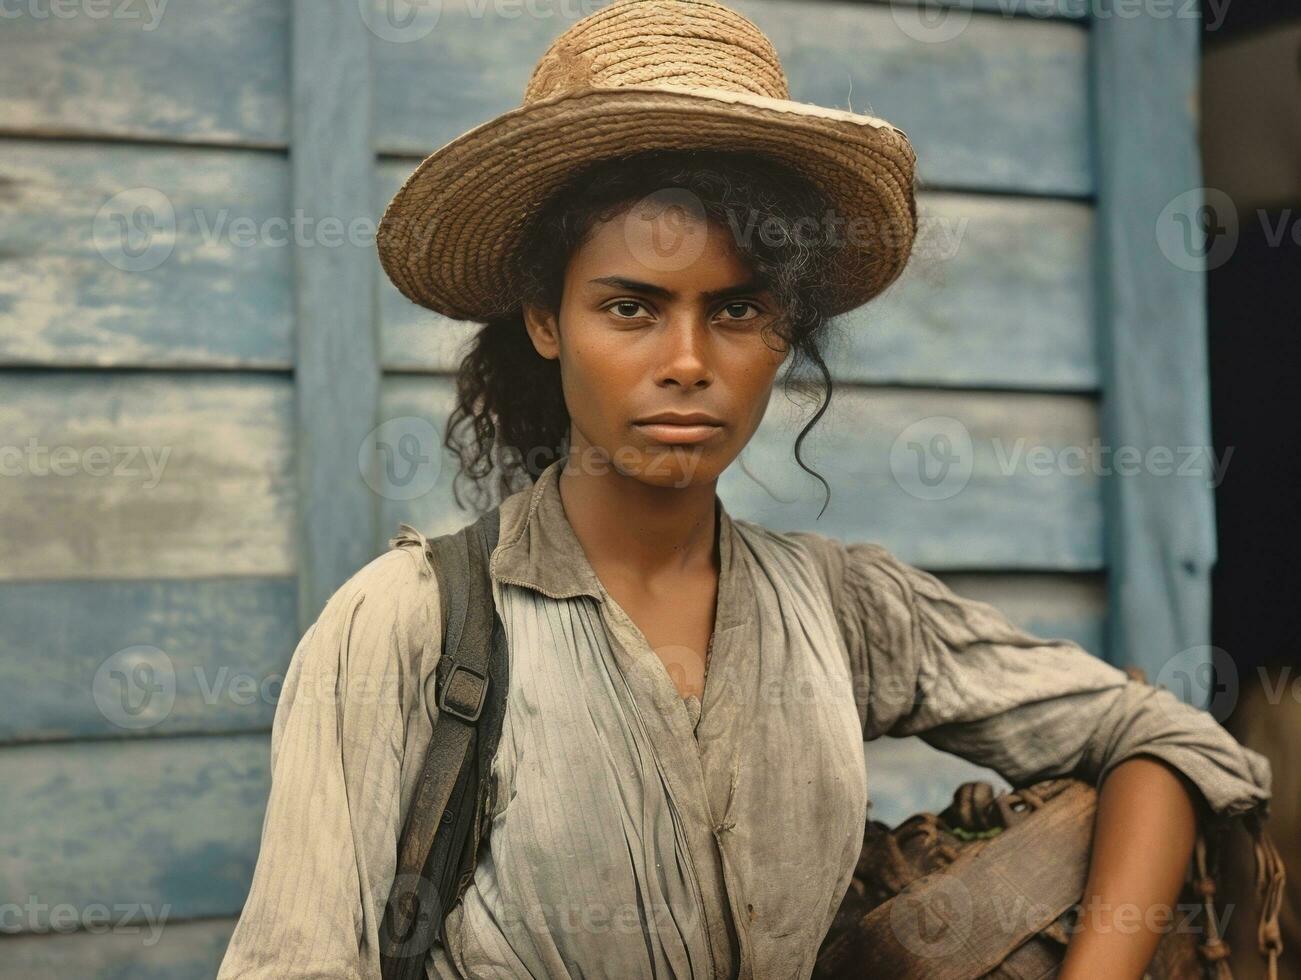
{"x":537,"y":546}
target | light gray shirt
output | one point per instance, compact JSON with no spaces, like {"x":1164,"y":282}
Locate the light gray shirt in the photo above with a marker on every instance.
{"x":635,"y":834}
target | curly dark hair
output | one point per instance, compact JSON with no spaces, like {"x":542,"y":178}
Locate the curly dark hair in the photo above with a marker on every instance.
{"x":510,"y":421}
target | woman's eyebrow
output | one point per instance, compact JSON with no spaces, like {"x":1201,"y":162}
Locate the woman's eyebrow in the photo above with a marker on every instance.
{"x":752,"y":285}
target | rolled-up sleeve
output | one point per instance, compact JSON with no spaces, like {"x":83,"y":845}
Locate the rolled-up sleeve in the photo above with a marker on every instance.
{"x":956,"y":672}
{"x":351,"y":712}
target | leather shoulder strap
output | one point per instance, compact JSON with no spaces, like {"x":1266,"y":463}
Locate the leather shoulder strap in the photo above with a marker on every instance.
{"x":444,"y":811}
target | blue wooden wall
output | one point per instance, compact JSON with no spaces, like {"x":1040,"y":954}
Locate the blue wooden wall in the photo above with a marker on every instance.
{"x":189,"y":384}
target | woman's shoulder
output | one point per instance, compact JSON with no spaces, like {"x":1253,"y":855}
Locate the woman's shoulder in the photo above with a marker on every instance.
{"x":405,"y":569}
{"x":393,"y":596}
{"x":364,"y":656}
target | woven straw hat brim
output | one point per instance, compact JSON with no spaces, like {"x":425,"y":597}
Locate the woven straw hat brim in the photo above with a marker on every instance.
{"x":447,"y":236}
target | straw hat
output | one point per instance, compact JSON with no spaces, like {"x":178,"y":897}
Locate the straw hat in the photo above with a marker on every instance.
{"x":640,"y":75}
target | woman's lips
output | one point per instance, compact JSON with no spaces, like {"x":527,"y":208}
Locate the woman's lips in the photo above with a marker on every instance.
{"x":676,"y":434}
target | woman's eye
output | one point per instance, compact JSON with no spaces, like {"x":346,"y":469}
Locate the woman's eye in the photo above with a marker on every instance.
{"x":627,"y":308}
{"x":740,"y":308}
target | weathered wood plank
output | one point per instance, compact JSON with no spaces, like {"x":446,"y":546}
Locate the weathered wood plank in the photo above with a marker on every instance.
{"x":182,"y":951}
{"x":1010,"y":500}
{"x":119,"y":255}
{"x":989,"y":102}
{"x":336,"y":371}
{"x":1160,"y":531}
{"x":184,"y":814}
{"x":209,"y":71}
{"x":948,"y":480}
{"x":999,"y":106}
{"x":156,"y":828}
{"x":415,"y":485}
{"x":80,"y":659}
{"x":219,"y":649}
{"x":146,"y":476}
{"x":218,"y":72}
{"x":998,"y":294}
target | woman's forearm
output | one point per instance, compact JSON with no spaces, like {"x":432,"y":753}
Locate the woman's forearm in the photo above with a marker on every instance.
{"x":1143,"y":838}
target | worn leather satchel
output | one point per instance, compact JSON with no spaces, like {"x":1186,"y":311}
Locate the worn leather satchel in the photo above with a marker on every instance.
{"x":991,"y":887}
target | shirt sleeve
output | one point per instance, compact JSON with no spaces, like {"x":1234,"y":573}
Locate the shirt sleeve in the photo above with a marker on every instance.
{"x":955,"y":671}
{"x":350,"y":715}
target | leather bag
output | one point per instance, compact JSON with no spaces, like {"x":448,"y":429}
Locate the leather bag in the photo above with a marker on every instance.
{"x":991,"y":887}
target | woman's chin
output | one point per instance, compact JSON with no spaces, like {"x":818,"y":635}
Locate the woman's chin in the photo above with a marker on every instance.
{"x":675,"y":466}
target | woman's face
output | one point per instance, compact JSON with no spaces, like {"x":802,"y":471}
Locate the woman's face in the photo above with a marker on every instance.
{"x":661,"y":316}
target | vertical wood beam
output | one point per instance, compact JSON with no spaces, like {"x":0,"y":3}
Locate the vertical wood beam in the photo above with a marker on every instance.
{"x":1160,"y":529}
{"x":337,"y":373}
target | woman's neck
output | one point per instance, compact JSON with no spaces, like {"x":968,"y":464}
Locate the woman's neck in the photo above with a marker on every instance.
{"x":635,"y":528}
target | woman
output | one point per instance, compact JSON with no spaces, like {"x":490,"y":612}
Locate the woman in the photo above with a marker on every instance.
{"x":680,"y":780}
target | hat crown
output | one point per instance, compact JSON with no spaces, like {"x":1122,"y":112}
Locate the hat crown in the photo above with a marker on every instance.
{"x":670,"y":43}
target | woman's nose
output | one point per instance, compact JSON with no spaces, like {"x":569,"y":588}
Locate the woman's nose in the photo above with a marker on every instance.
{"x":685,"y":356}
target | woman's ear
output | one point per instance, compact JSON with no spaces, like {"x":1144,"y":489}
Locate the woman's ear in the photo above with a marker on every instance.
{"x":543,"y":331}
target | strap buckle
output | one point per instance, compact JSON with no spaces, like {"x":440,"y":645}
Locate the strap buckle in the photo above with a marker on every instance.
{"x":463,"y":697}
